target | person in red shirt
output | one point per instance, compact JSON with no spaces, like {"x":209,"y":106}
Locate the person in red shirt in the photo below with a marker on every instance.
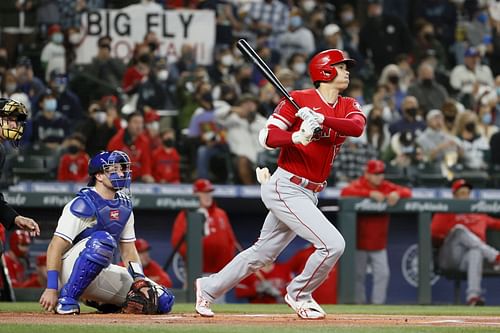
{"x":16,"y":258}
{"x":372,"y":229}
{"x":73,"y":164}
{"x":461,"y":242}
{"x":134,"y":142}
{"x":267,"y":285}
{"x":309,"y":139}
{"x":37,"y":279}
{"x":219,"y":242}
{"x":166,"y":159}
{"x":327,"y":291}
{"x":151,"y":268}
{"x":152,"y":124}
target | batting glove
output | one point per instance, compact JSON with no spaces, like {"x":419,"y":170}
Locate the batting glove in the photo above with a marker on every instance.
{"x":305,"y":133}
{"x":306,"y":113}
{"x":263,"y":175}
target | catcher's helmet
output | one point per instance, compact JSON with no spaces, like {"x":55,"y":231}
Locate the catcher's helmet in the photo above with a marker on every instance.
{"x":12,"y":112}
{"x":18,"y":238}
{"x":105,"y":162}
{"x":321,"y":65}
{"x":202,"y":185}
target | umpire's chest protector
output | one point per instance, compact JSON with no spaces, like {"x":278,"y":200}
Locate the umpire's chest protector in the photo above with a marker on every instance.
{"x":111,"y":215}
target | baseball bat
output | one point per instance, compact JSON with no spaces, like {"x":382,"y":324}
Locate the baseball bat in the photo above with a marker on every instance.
{"x":249,"y":53}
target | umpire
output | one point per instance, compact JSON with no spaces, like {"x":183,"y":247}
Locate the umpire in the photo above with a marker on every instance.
{"x":12,"y":120}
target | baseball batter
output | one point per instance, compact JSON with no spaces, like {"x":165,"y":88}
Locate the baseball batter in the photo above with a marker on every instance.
{"x":88,"y":233}
{"x":290,"y":194}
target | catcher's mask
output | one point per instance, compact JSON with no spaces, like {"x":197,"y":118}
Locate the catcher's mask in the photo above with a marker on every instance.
{"x":13,"y":117}
{"x":115,"y":165}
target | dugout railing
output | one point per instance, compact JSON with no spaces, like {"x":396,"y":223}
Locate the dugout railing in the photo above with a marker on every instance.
{"x":423,"y":208}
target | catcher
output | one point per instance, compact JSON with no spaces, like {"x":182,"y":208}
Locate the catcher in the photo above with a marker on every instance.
{"x":87,"y":235}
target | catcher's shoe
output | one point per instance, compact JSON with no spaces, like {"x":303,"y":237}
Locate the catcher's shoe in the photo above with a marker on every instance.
{"x":67,"y":305}
{"x":202,"y":304}
{"x":306,"y":309}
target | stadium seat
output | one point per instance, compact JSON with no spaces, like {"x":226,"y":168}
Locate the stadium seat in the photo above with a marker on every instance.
{"x":29,"y":168}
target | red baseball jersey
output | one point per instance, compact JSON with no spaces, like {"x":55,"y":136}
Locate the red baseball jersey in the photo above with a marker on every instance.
{"x":15,"y":268}
{"x":219,"y":242}
{"x":315,"y":160}
{"x":442,"y":223}
{"x":372,"y":229}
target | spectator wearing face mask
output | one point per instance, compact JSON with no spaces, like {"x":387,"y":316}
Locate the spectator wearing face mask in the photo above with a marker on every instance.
{"x":298,"y":39}
{"x":73,"y":164}
{"x":50,"y":127}
{"x":409,"y":121}
{"x":166,"y":159}
{"x":429,"y":93}
{"x":475,"y":146}
{"x":298,"y":64}
{"x":68,"y":103}
{"x":152,"y":128}
{"x":53,"y":56}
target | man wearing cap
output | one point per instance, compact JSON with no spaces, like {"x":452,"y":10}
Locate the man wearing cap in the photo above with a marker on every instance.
{"x":461,"y":241}
{"x":372,"y":229}
{"x":37,"y":279}
{"x":53,"y":56}
{"x":467,"y":77}
{"x":17,"y":258}
{"x":219,"y":242}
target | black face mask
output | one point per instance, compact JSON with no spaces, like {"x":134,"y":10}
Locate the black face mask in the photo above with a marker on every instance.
{"x":377,"y":121}
{"x":412,"y":112}
{"x":394,"y":79}
{"x":470,"y":127}
{"x":144,"y":58}
{"x":152,"y":46}
{"x":429,"y":37}
{"x":73,"y":149}
{"x":449,"y":118}
{"x":169,"y":143}
{"x":427,"y":82}
{"x":207,"y":97}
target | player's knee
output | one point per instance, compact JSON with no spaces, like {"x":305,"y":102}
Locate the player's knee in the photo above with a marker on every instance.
{"x":336,"y":247}
{"x":100,"y":248}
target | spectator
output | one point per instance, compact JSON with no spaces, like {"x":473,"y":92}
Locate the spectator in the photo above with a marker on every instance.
{"x":152,"y":128}
{"x":100,"y":124}
{"x":70,"y":12}
{"x":297,"y":39}
{"x":154,"y":91}
{"x":429,"y":93}
{"x":68,"y":103}
{"x":426,"y":43}
{"x":391,"y":79}
{"x":266,"y":285}
{"x":133,"y":141}
{"x":50,"y":127}
{"x":486,"y":106}
{"x":8,"y":84}
{"x":243,"y":124}
{"x":219,"y":243}
{"x":461,"y":242}
{"x":151,"y":268}
{"x":383,"y":37}
{"x":411,"y":118}
{"x":442,"y":14}
{"x":223,"y":67}
{"x":136,"y":73}
{"x":327,"y":291}
{"x":404,"y":155}
{"x":475,"y":146}
{"x":166,"y":159}
{"x":376,"y":133}
{"x":74,"y":163}
{"x":493,"y":51}
{"x":372,"y":230}
{"x":466,"y":78}
{"x":38,"y":279}
{"x":298,"y":64}
{"x":16,"y":258}
{"x":107,"y":69}
{"x":439,"y":148}
{"x":450,"y":113}
{"x":349,"y":165}
{"x":53,"y":56}
{"x":28,"y":83}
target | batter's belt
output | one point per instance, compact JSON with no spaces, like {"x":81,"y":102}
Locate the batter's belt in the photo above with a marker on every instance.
{"x":307,"y":184}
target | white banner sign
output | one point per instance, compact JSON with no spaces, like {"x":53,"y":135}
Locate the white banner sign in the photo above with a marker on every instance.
{"x":129,"y":25}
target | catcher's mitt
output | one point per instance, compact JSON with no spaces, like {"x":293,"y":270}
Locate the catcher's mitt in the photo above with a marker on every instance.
{"x":141,"y":298}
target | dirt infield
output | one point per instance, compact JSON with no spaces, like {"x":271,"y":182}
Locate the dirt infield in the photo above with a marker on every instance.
{"x":332,"y":320}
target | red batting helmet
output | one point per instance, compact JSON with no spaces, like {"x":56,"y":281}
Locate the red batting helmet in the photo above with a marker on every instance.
{"x":141,"y":245}
{"x":202,"y":185}
{"x":321,"y":65}
{"x":17,"y":238}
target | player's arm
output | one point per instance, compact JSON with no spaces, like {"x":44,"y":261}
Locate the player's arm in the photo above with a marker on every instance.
{"x":56,"y":248}
{"x":352,"y":125}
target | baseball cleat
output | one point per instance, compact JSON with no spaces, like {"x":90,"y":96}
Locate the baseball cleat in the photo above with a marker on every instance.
{"x":202,"y":304}
{"x":306,"y":309}
{"x":67,"y":305}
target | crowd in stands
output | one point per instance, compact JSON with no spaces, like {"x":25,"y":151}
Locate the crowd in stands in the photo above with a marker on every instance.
{"x":427,"y":77}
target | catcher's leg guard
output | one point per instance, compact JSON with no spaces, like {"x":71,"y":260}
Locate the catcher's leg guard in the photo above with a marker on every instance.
{"x":165,"y":299}
{"x":97,"y":255}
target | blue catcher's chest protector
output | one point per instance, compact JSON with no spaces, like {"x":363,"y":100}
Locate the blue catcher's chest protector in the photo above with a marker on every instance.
{"x":111,"y":215}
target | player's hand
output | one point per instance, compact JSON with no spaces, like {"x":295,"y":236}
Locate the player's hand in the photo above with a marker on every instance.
{"x":25,"y":223}
{"x":392,"y":198}
{"x":48,"y":300}
{"x":306,"y":113}
{"x":377,"y":196}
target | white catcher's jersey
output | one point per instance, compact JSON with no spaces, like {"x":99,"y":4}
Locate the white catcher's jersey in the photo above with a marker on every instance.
{"x":69,"y":226}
